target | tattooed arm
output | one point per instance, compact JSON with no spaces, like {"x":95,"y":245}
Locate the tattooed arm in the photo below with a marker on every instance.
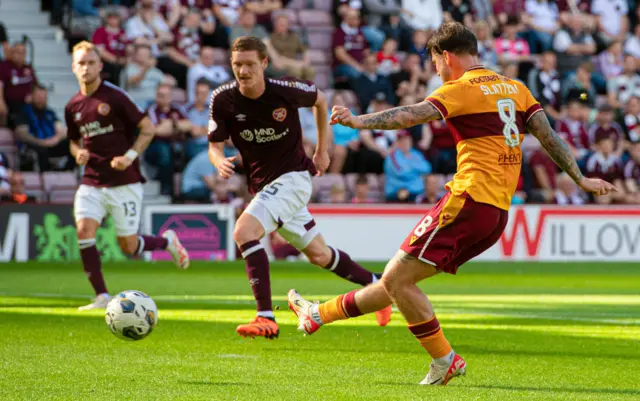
{"x":396,"y":118}
{"x":539,"y":126}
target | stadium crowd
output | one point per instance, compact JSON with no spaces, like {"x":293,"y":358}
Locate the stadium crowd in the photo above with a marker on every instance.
{"x":580,"y":58}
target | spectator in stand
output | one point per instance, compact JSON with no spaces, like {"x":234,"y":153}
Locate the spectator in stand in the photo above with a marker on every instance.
{"x":288,"y":54}
{"x":541,"y":18}
{"x":632,"y":119}
{"x":11,"y":183}
{"x":349,"y":46}
{"x":613,"y":20}
{"x":141,"y":77}
{"x":509,"y":46}
{"x":198,"y":114}
{"x":632,"y":45}
{"x":246,"y":26}
{"x":264,"y":11}
{"x":198,"y":179}
{"x":227,"y":13}
{"x":606,"y":165}
{"x":568,"y":192}
{"x":346,"y":142}
{"x":172,"y":123}
{"x":371,"y":84}
{"x":567,"y":8}
{"x":573,"y":45}
{"x":544,"y":171}
{"x":422,"y":14}
{"x":605,"y":126}
{"x":573,"y":128}
{"x":621,"y":88}
{"x":204,"y":8}
{"x":511,"y":70}
{"x":440,"y":147}
{"x":457,"y":10}
{"x":387,"y":58}
{"x":544,"y":83}
{"x":609,"y":63}
{"x":111,"y":42}
{"x":4,"y":42}
{"x":486,"y":45}
{"x":17,"y":79}
{"x":337,"y":194}
{"x":372,"y":33}
{"x":185,"y":51}
{"x":405,"y":82}
{"x":396,"y":29}
{"x":309,"y":130}
{"x":419,"y":40}
{"x":404,"y":169}
{"x":632,"y":173}
{"x":381,"y":10}
{"x":376,"y":143}
{"x":205,"y":70}
{"x":46,"y":138}
{"x":148,"y":27}
{"x":361,"y":190}
{"x":85,"y":8}
{"x":433,"y":190}
{"x":580,"y":83}
{"x":505,"y":9}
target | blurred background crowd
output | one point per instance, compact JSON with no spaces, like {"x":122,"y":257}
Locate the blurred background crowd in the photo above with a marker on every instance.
{"x":580,"y":58}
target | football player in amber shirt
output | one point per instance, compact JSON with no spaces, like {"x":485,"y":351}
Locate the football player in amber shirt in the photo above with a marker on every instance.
{"x":488,"y":114}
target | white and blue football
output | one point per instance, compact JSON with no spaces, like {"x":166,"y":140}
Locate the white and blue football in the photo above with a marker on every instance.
{"x":131,"y":315}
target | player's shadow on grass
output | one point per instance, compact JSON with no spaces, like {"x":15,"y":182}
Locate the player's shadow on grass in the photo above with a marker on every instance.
{"x":554,"y":389}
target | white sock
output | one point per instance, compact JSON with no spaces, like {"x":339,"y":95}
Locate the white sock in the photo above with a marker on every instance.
{"x":314,"y":313}
{"x":375,"y":279}
{"x":266,"y":313}
{"x":105,"y":294}
{"x":445,"y":360}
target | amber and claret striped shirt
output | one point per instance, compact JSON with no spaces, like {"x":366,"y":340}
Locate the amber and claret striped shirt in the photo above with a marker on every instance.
{"x":486,"y":113}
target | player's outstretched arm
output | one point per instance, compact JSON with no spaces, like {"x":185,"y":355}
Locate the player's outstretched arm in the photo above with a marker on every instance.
{"x":538,"y":125}
{"x":395,"y":118}
{"x":147,"y":132}
{"x":321,"y":113}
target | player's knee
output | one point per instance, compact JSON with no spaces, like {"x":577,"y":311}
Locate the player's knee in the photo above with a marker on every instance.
{"x":85,"y":232}
{"x":319,"y":256}
{"x":243,"y":234}
{"x":128,"y":246}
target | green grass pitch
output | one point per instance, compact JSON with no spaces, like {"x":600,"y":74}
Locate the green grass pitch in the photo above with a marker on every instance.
{"x":528,"y":331}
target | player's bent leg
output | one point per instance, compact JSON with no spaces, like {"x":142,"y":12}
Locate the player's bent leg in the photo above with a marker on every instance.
{"x":86,"y":231}
{"x":247,"y":234}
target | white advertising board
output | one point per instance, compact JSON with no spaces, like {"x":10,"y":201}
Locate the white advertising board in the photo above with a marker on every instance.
{"x":544,"y":233}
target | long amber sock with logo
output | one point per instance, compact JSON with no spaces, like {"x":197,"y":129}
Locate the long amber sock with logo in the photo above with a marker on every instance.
{"x":340,"y":308}
{"x":431,"y":337}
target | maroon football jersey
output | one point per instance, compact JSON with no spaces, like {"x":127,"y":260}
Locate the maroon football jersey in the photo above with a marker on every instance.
{"x":174,"y":112}
{"x":187,"y":43}
{"x":574,"y":133}
{"x":613,"y":131}
{"x":107,"y":122}
{"x":632,"y":170}
{"x":608,"y":168}
{"x":266,"y":131}
{"x":17,"y":82}
{"x":354,"y":44}
{"x":114,"y":43}
{"x":541,"y":158}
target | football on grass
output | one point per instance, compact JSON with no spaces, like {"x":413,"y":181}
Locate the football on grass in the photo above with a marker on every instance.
{"x":131,"y":315}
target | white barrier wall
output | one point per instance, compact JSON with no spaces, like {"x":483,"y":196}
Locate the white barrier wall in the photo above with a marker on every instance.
{"x":545,"y":233}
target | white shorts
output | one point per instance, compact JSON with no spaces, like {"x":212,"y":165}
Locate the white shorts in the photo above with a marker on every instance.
{"x":123,"y":203}
{"x":282,"y":206}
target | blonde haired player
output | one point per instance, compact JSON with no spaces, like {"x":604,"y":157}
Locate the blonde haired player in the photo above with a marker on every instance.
{"x":488,"y":115}
{"x":102,"y":121}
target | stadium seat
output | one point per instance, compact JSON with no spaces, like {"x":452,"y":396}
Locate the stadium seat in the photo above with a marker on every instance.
{"x":293,"y":16}
{"x":322,"y":186}
{"x":320,"y":38}
{"x":324,"y":5}
{"x":179,"y":96}
{"x":298,"y":4}
{"x":323,"y":77}
{"x":319,"y":57}
{"x":33,"y":185}
{"x":60,"y":185}
{"x":6,"y":137}
{"x":311,"y":18}
{"x":220,"y":57}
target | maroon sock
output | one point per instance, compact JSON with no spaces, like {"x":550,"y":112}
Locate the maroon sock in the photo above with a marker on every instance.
{"x":151,"y":243}
{"x":92,"y":264}
{"x":257,"y":267}
{"x":349,"y":304}
{"x":342,"y":265}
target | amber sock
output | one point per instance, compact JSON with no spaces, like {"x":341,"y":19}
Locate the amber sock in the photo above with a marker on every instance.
{"x":340,"y":308}
{"x":431,"y":337}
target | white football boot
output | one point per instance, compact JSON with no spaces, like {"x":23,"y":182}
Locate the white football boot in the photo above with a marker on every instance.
{"x":308,"y":317}
{"x":99,"y":302}
{"x":440,"y":374}
{"x":177,"y":250}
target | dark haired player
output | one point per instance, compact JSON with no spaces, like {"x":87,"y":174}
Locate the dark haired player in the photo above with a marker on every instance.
{"x":488,"y":115}
{"x":102,"y":120}
{"x":261,"y":118}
